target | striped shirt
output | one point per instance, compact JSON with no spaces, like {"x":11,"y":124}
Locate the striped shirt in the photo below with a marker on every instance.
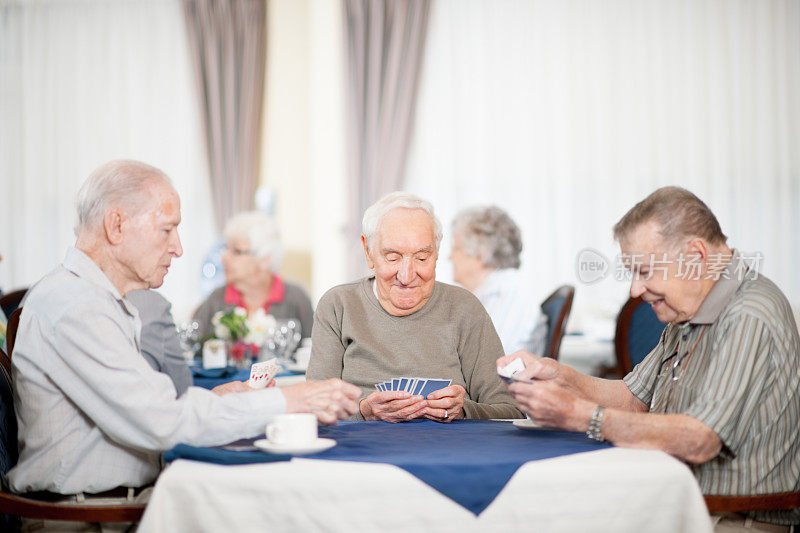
{"x":517,"y":319}
{"x":738,"y":372}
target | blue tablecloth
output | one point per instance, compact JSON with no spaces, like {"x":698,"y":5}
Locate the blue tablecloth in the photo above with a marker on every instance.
{"x":209,"y":379}
{"x":469,"y":461}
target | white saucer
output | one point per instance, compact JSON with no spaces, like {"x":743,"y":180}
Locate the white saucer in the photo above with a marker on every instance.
{"x":316,"y":446}
{"x":530,"y":425}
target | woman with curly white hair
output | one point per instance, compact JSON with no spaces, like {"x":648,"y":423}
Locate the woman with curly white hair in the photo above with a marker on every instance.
{"x":486,"y":247}
{"x":253,"y":254}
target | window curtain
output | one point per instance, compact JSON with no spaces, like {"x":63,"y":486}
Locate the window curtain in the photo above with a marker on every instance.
{"x":566,"y":113}
{"x":83,"y":82}
{"x":227,"y":43}
{"x":384,"y":44}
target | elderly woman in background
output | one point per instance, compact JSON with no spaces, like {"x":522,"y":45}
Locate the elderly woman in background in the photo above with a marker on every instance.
{"x":401,"y":322}
{"x":252,"y":255}
{"x":485,"y":255}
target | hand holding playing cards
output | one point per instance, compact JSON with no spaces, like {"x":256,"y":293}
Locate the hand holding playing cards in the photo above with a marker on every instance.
{"x":535,"y":367}
{"x":232,"y":386}
{"x":542,"y":389}
{"x":239,"y":386}
{"x":447,"y":404}
{"x":330,"y":400}
{"x":393,"y":406}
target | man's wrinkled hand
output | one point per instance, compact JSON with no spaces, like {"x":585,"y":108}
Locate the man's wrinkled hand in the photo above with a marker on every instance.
{"x":541,"y":368}
{"x":447,"y":404}
{"x":393,"y":406}
{"x":330,"y":400}
{"x":231,"y":386}
{"x":549,"y":404}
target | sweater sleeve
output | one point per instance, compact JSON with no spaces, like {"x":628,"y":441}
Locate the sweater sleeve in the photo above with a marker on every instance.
{"x":327,"y":347}
{"x":479,"y":349}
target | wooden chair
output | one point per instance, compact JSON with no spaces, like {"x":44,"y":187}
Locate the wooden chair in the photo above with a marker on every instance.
{"x":556,"y":308}
{"x":11,"y":300}
{"x":638,"y":332}
{"x":13,"y":505}
{"x":761,"y":502}
{"x":11,"y":330}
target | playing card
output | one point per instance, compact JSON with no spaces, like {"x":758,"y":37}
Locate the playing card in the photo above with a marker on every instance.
{"x":262,"y":373}
{"x":511,"y":369}
{"x":396,"y":384}
{"x":403,"y":384}
{"x":418,"y":385}
{"x":434,"y":385}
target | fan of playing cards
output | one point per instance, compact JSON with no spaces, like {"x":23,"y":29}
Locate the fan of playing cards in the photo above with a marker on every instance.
{"x":262,"y":373}
{"x":421,"y":386}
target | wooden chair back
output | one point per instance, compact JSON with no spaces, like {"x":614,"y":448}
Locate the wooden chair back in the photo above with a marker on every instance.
{"x":761,"y":502}
{"x":11,"y":300}
{"x":13,"y":505}
{"x":11,"y":331}
{"x":556,"y":308}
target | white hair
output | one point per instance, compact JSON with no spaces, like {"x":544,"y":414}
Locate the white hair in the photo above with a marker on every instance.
{"x":375,"y":213}
{"x":489,"y":234}
{"x":261,"y":233}
{"x":123,"y":182}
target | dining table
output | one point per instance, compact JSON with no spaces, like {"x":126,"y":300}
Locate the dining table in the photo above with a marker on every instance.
{"x":211,"y":377}
{"x":469,"y":475}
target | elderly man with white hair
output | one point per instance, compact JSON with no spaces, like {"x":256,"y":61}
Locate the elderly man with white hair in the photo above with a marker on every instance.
{"x":94,"y":417}
{"x":402,"y":322}
{"x":253,"y":254}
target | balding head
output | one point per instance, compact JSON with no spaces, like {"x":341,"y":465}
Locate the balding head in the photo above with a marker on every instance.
{"x":124,"y":184}
{"x":678,"y":214}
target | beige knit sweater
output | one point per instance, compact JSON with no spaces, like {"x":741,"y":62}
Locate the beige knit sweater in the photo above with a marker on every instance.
{"x":451,"y":337}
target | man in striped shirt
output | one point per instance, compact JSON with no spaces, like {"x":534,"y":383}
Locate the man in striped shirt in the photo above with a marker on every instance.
{"x":720,"y":391}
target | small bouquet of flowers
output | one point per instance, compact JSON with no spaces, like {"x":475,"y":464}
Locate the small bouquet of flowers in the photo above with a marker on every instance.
{"x":247,"y":335}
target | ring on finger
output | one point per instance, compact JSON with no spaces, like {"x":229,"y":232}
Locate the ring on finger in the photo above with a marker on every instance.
{"x":445,"y":413}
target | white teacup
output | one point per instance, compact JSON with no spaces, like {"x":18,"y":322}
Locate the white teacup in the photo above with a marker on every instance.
{"x":294,"y":429}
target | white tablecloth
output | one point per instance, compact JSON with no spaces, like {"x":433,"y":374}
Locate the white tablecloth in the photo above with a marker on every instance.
{"x":617,"y":489}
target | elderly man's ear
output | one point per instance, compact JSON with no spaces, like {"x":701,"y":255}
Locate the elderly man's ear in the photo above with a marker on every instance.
{"x":697,"y":247}
{"x":370,"y":263}
{"x":113,"y":223}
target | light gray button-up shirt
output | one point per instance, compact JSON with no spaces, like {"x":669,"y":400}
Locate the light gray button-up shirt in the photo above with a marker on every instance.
{"x":92,"y":413}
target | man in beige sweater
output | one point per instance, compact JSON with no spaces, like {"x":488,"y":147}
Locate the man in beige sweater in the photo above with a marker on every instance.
{"x":400,"y":322}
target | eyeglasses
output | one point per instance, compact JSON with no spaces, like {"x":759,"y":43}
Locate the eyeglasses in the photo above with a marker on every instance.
{"x":236,"y":251}
{"x":675,"y":364}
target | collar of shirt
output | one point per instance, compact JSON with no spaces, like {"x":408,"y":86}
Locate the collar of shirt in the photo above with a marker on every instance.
{"x":82,"y":266}
{"x":723,"y":290}
{"x":276,"y":292}
{"x":495,"y":282}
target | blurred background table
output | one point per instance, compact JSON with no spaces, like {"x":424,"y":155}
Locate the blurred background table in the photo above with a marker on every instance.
{"x":282,"y":379}
{"x":588,"y":355}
